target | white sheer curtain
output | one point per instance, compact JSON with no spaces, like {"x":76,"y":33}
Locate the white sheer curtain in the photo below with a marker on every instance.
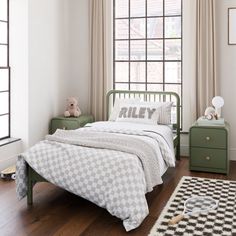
{"x":101,"y":55}
{"x":206,"y":82}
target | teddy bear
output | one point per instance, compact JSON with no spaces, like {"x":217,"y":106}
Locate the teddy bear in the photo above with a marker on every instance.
{"x":72,"y":108}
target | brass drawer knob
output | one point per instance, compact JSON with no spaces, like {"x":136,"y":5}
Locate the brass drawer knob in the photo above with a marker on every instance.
{"x":208,"y":158}
{"x":208,"y":138}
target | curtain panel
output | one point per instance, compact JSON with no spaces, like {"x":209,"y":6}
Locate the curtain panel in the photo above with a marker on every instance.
{"x":207,"y":81}
{"x":101,"y":56}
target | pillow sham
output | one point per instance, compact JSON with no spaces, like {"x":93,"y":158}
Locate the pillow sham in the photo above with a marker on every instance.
{"x":138,"y":113}
{"x":165,"y":113}
{"x":162,"y":114}
{"x":121,"y":102}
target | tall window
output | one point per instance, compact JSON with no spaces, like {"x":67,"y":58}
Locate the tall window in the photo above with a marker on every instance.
{"x":148,"y":45}
{"x":4,"y":70}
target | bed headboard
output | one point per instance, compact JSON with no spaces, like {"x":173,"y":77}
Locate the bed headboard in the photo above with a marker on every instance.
{"x":150,"y":96}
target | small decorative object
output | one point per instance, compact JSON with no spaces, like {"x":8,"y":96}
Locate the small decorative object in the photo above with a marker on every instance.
{"x":210,"y":113}
{"x":72,"y":108}
{"x":232,"y":26}
{"x":218,"y":102}
{"x":195,"y":205}
{"x":9,"y":173}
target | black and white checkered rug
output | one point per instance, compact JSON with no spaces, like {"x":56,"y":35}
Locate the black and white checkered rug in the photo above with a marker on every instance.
{"x":219,"y":222}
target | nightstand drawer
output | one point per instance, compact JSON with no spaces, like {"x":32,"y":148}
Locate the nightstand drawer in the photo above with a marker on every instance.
{"x":210,"y":138}
{"x":208,"y":158}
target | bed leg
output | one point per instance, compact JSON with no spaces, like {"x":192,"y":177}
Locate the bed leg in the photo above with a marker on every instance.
{"x":30,"y":194}
{"x":178,"y":151}
{"x":30,"y":187}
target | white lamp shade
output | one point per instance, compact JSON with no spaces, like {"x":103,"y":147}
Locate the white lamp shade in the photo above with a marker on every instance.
{"x":218,"y":102}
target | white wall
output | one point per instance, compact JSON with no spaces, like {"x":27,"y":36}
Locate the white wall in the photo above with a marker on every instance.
{"x":19,"y":81}
{"x":49,"y":70}
{"x":79,"y":50}
{"x":189,"y":71}
{"x":19,"y":68}
{"x":226,"y":69}
{"x":40,"y":69}
{"x":8,"y":154}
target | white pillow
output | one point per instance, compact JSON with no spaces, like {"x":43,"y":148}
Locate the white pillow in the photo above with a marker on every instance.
{"x":165,"y":112}
{"x":162,"y":115}
{"x":118,"y":102}
{"x":139,"y":113}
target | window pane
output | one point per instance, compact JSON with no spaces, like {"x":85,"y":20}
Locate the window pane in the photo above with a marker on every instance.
{"x":121,"y":86}
{"x":137,"y":71}
{"x":173,"y":88}
{"x":122,"y":71}
{"x":155,"y":28}
{"x":173,"y":49}
{"x":3,"y":55}
{"x":4,"y":124}
{"x":172,"y":7}
{"x":173,"y":72}
{"x":122,"y":50}
{"x":121,"y":8}
{"x":3,"y":32}
{"x":155,"y":72}
{"x":137,"y":50}
{"x":4,"y":80}
{"x":155,"y":87}
{"x":137,"y":28}
{"x":122,"y":29}
{"x":3,"y":10}
{"x":174,"y":114}
{"x":138,"y":87}
{"x":4,"y":103}
{"x":155,"y":49}
{"x":137,"y":8}
{"x":155,"y":7}
{"x":173,"y":27}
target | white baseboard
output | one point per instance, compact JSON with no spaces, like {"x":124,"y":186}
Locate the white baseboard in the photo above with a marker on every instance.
{"x":7,"y":162}
{"x":184,"y":150}
{"x":232,"y":154}
{"x":8,"y":154}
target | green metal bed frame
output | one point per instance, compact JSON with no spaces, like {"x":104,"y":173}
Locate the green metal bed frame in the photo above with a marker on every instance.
{"x":34,"y":177}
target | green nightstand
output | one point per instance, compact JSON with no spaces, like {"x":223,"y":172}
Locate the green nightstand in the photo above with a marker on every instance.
{"x":69,"y":123}
{"x":209,"y":148}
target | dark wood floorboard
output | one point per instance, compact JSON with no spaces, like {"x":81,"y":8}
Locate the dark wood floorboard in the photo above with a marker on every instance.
{"x":57,"y":212}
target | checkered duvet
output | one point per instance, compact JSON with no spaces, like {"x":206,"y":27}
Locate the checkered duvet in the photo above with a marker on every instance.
{"x":111,"y":178}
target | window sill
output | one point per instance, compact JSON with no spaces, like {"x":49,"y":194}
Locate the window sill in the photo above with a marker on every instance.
{"x":8,"y":141}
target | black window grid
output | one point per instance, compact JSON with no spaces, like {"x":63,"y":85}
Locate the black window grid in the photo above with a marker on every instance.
{"x":7,"y":67}
{"x":146,"y":61}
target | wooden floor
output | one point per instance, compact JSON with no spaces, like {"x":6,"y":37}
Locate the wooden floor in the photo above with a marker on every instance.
{"x":57,"y":212}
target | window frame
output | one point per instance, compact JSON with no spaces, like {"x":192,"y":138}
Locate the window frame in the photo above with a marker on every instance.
{"x":7,"y":67}
{"x":129,"y":39}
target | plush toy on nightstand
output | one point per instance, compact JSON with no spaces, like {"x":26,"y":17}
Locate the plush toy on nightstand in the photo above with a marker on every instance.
{"x":72,"y":108}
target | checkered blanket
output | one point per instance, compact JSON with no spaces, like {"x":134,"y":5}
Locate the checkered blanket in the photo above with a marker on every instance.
{"x":101,"y":166}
